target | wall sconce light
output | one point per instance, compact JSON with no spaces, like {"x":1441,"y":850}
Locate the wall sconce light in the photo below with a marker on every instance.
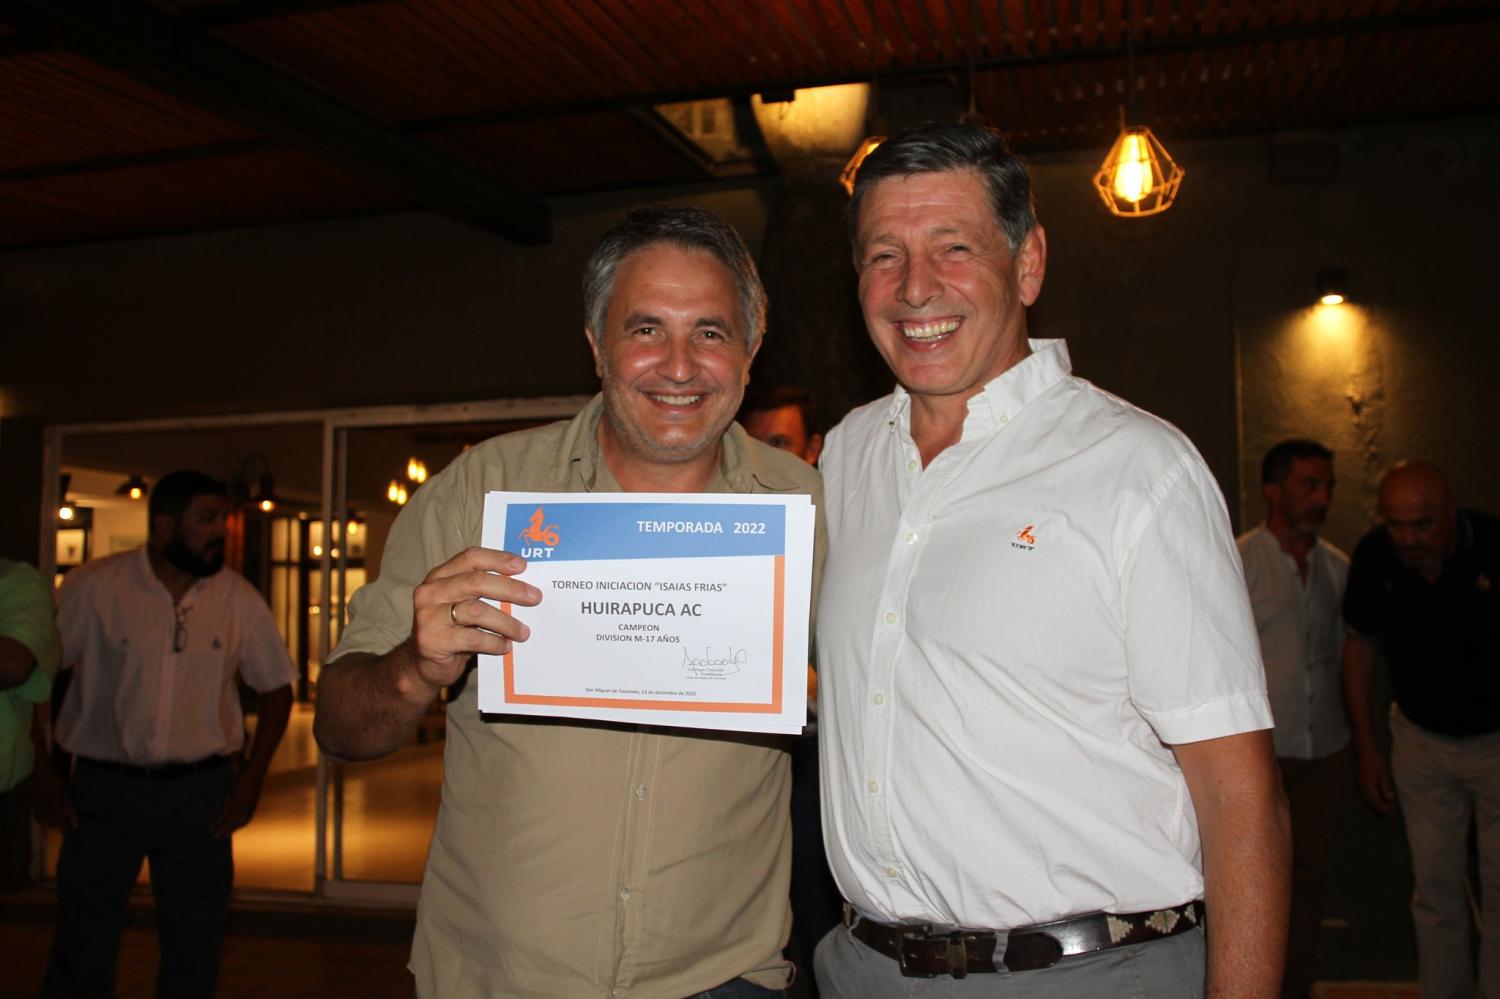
{"x":1333,"y":285}
{"x":396,"y":493}
{"x":135,"y":487}
{"x":264,"y":497}
{"x":66,"y":512}
{"x":416,"y":470}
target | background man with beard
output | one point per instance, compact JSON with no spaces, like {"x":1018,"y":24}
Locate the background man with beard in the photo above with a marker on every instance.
{"x":1296,"y":583}
{"x":155,"y":638}
{"x":1423,"y":591}
{"x":575,"y":859}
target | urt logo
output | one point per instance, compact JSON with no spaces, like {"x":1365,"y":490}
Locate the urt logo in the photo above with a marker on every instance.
{"x":538,"y":532}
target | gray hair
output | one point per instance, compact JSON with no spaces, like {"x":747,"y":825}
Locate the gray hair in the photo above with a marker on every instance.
{"x":685,"y":226}
{"x":939,"y":146}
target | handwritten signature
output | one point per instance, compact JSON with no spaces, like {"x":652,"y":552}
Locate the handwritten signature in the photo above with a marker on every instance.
{"x":711,"y":666}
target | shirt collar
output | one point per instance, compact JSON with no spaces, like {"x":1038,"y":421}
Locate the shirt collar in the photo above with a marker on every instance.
{"x":741,"y":464}
{"x":1007,"y":393}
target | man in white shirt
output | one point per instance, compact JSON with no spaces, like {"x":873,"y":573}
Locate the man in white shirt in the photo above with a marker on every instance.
{"x":1296,"y":582}
{"x":155,"y":638}
{"x":1046,"y":733}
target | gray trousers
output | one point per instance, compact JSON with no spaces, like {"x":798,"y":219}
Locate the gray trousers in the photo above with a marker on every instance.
{"x":1161,"y":969}
{"x":1445,"y":784}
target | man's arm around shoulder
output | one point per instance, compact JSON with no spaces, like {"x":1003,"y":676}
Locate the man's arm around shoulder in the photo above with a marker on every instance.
{"x":1246,"y":833}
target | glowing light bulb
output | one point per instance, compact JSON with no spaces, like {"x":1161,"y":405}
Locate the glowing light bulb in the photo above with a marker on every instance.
{"x":416,"y":470}
{"x":65,"y":513}
{"x":1133,"y":175}
{"x":135,"y":492}
{"x":267,"y":505}
{"x":392,"y":491}
{"x":353,"y":528}
{"x":1333,"y":298}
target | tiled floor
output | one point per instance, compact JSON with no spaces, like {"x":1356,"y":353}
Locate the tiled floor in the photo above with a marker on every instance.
{"x":275,"y":955}
{"x":292,"y":949}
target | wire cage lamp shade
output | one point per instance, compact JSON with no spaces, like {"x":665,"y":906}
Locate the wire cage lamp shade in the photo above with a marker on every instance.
{"x":1139,"y":177}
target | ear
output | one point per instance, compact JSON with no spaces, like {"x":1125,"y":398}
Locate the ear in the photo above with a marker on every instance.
{"x":1031,"y":265}
{"x":1271,"y":491}
{"x":814,"y":448}
{"x":750,"y":359}
{"x":593,"y":340}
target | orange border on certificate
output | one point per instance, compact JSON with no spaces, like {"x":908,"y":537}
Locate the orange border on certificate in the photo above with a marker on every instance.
{"x":747,"y":707}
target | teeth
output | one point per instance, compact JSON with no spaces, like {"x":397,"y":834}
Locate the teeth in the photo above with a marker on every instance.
{"x":928,"y":331}
{"x":677,"y":400}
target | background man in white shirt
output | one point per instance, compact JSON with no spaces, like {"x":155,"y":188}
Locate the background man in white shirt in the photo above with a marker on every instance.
{"x":155,"y":639}
{"x":1296,"y":583}
{"x":1042,"y":697}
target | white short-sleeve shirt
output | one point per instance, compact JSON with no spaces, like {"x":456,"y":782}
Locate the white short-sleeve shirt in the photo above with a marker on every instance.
{"x":1301,"y":627}
{"x":135,"y":698}
{"x":1008,"y":641}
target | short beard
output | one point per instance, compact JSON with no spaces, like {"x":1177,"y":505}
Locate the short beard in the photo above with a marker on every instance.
{"x":192,"y":563}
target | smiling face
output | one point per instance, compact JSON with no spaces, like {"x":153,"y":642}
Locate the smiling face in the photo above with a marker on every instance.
{"x":943,"y":296}
{"x":672,"y":356}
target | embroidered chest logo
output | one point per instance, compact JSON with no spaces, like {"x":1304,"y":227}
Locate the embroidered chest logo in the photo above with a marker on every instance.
{"x":1025,"y":540}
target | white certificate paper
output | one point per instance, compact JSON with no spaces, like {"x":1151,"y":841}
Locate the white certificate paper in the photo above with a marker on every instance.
{"x":657,"y":608}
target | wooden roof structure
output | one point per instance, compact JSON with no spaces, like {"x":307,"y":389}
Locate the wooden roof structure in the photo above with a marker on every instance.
{"x":123,"y":118}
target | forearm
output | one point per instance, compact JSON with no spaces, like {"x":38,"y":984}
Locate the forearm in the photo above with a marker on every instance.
{"x":1246,"y":834}
{"x":271,"y":716}
{"x":369,"y":705}
{"x":16,"y":663}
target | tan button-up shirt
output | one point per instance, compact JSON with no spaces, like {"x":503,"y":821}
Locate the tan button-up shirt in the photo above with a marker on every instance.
{"x":573,"y":859}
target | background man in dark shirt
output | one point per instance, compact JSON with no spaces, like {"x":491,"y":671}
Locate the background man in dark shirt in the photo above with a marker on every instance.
{"x":1422,"y":591}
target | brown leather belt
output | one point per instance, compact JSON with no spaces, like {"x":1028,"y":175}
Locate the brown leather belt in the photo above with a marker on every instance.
{"x":924,"y":954}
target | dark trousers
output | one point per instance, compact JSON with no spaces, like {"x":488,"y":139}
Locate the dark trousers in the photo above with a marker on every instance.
{"x":1313,"y":790}
{"x":817,"y":906}
{"x":124,"y":819}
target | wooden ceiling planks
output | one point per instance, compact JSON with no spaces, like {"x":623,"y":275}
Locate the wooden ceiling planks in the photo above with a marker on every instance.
{"x":493,"y":81}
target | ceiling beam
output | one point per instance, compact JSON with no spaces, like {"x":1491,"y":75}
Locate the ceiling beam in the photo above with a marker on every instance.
{"x":168,"y":52}
{"x":223,"y":15}
{"x":1348,"y":27}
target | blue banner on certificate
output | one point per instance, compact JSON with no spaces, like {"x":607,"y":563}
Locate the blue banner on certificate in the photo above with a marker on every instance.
{"x":657,"y":608}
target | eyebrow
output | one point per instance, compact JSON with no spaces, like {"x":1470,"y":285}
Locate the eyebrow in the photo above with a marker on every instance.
{"x":646,"y":319}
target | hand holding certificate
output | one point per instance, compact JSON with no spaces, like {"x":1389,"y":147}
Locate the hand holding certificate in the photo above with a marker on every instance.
{"x":662,"y":609}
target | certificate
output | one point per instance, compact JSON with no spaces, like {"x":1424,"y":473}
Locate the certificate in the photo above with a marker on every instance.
{"x":657,"y":608}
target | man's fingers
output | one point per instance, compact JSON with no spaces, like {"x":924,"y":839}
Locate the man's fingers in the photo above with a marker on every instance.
{"x":478,"y":559}
{"x":467,"y":586}
{"x":477,"y":615}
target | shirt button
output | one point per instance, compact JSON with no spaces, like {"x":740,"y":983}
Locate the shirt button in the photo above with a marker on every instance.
{"x":892,"y":872}
{"x":879,"y":698}
{"x":1004,"y":418}
{"x":890,"y":617}
{"x":911,"y":537}
{"x":911,"y":465}
{"x":874,"y":787}
{"x":640,"y":790}
{"x":625,"y":893}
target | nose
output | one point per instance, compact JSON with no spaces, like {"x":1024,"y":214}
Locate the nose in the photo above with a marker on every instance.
{"x":677,"y":362}
{"x":919,"y":282}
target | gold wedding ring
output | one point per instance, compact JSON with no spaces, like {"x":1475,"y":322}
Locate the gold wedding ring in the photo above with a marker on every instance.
{"x":453,"y":615}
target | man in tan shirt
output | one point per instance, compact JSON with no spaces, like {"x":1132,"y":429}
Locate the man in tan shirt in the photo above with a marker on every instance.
{"x":569,"y":858}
